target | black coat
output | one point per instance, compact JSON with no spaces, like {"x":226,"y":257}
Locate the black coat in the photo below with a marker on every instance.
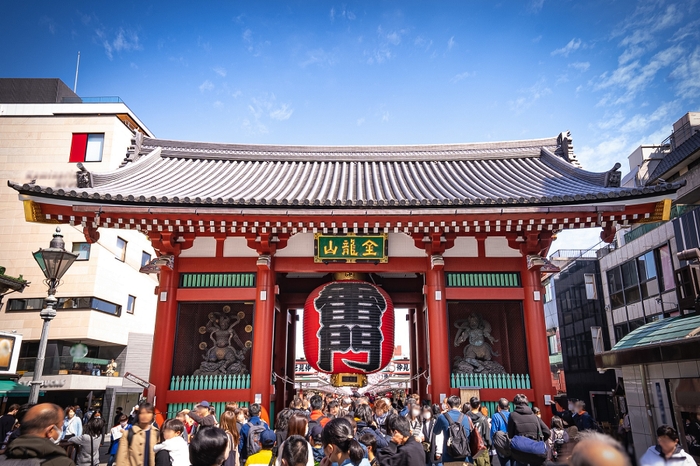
{"x":410,"y":453}
{"x":522,"y":421}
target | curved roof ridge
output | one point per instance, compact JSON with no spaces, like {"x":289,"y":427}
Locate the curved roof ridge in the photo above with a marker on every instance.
{"x":421,"y":152}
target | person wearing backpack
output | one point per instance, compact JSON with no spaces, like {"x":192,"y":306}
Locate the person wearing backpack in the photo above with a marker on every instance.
{"x":453,"y":427}
{"x":317,"y":416}
{"x":524,"y":423}
{"x":481,"y":427}
{"x":250,"y":433}
{"x":136,"y":446}
{"x":38,"y":443}
{"x":89,"y":443}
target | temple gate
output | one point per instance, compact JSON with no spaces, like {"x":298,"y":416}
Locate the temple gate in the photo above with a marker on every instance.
{"x":238,"y":230}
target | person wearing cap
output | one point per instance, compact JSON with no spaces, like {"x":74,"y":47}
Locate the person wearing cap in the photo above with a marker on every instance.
{"x":264,"y":456}
{"x":202,"y":415}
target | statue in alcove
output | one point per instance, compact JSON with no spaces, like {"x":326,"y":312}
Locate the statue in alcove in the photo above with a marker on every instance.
{"x":223,"y":357}
{"x":478,"y":354}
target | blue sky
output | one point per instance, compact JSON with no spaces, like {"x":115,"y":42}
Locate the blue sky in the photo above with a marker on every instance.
{"x":614,"y":73}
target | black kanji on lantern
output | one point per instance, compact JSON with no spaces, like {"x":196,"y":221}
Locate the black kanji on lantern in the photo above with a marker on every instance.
{"x":351,"y":317}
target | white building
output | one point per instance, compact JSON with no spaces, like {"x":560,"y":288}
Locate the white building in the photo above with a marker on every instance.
{"x":106,"y":308}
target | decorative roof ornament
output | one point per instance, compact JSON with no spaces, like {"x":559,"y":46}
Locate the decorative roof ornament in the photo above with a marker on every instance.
{"x":84,"y":178}
{"x":565,"y":149}
{"x":134,"y":151}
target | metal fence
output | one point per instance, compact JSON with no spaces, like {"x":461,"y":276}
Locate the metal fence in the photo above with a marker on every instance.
{"x":210,"y":382}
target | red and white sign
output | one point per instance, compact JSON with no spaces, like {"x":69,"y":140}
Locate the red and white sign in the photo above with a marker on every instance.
{"x":348,"y":327}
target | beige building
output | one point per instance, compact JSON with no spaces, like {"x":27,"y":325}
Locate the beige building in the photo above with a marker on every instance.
{"x":106,"y":308}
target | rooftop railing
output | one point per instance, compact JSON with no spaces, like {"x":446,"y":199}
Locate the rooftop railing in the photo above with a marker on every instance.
{"x":92,"y":100}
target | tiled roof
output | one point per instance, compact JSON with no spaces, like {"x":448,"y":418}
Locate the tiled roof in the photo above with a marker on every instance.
{"x":529,"y":172}
{"x":689,"y":147}
{"x":661,"y":331}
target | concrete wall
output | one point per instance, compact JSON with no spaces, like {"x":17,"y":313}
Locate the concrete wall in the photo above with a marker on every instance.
{"x":35,"y":145}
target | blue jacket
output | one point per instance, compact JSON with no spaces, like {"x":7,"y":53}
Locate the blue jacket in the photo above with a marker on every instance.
{"x":497,"y":422}
{"x":441,"y":427}
{"x":243,"y":442}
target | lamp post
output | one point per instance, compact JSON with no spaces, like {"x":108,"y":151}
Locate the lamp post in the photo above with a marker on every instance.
{"x":54,"y":262}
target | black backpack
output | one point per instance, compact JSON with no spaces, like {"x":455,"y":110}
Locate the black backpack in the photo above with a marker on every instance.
{"x":457,"y":439}
{"x":317,"y":422}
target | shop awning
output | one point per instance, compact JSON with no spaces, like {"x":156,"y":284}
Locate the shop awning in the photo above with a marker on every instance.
{"x":666,"y":340}
{"x":11,"y":388}
{"x":92,"y":360}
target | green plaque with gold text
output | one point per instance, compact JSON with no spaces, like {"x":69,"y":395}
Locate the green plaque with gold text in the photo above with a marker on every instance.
{"x":350,"y":248}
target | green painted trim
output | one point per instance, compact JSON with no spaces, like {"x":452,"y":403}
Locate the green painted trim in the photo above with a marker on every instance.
{"x":483,"y":280}
{"x":217,"y":280}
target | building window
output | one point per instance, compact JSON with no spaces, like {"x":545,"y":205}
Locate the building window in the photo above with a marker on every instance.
{"x":86,"y":147}
{"x":82,"y":250}
{"x":65,"y":304}
{"x":646,"y":264}
{"x":121,"y":249}
{"x":548,"y":292}
{"x":617,"y":298}
{"x":630,"y":280}
{"x":665,"y":268}
{"x":130,"y":304}
{"x":553,"y":344}
{"x":591,"y":291}
{"x":145,"y":258}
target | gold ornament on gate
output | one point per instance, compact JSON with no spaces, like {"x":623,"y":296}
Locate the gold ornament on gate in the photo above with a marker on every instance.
{"x":227,"y":309}
{"x":203,"y":329}
{"x":248,"y":328}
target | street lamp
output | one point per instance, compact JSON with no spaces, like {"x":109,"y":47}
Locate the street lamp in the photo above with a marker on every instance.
{"x":54,"y":262}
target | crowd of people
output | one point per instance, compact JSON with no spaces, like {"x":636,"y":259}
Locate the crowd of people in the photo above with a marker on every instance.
{"x":328,"y":431}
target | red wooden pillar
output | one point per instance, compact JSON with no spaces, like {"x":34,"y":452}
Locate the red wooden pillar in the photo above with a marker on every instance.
{"x":536,"y":334}
{"x":164,"y":334}
{"x":438,"y":331}
{"x":421,"y":361}
{"x":413,"y":349}
{"x":263,"y":327}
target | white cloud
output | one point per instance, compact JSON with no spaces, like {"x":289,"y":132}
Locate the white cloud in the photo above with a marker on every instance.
{"x":393,"y":38}
{"x":536,"y":5}
{"x":282,"y":113}
{"x":458,"y":77}
{"x":221,"y":71}
{"x":422,"y":42}
{"x":343,"y":13}
{"x":530,"y":95}
{"x":634,"y":77}
{"x":206,"y":86}
{"x":574,"y":44}
{"x":49,"y":23}
{"x":385,"y":116}
{"x":580,"y":66}
{"x":125,"y":41}
{"x":318,"y":56}
{"x":451,"y":43}
{"x":687,"y":75}
{"x":537,"y":39}
{"x":360,"y":121}
{"x":219,"y":104}
{"x":641,"y":122}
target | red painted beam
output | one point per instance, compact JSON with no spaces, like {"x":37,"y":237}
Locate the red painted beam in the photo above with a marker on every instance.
{"x":491,"y":264}
{"x":195,"y":396}
{"x":221,"y":264}
{"x":307,"y":264}
{"x":215,"y":294}
{"x":461,"y":294}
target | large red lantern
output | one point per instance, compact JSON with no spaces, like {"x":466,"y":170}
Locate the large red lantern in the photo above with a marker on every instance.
{"x":348,"y":328}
